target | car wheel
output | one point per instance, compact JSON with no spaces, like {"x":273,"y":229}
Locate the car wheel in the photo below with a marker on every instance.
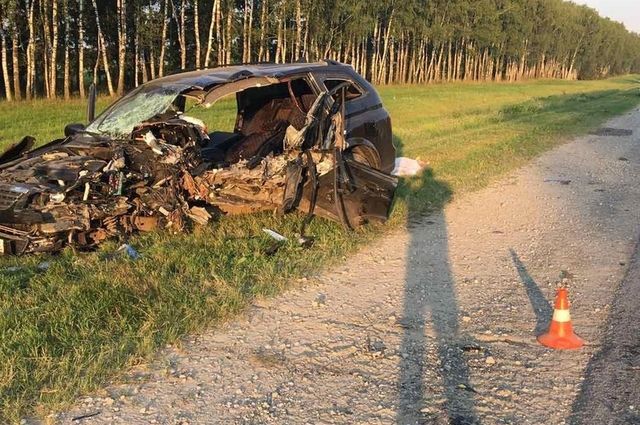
{"x":364,"y":155}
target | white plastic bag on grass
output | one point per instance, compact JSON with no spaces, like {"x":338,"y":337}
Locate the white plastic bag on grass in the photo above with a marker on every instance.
{"x":406,"y":167}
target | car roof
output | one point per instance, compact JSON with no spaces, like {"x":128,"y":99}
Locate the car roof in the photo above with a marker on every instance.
{"x":226,"y":74}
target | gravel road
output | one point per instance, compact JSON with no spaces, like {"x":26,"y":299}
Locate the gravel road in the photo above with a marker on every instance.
{"x":435,"y":323}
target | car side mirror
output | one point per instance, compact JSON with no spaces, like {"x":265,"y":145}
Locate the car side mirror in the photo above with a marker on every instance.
{"x":72,"y":129}
{"x":91,"y":104}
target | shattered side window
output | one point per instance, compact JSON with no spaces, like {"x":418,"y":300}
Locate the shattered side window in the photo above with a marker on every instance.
{"x":134,"y":108}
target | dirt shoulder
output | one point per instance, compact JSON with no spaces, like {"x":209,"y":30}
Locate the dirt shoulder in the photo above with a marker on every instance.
{"x":434,"y":324}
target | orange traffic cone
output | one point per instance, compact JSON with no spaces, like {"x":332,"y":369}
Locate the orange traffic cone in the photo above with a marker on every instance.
{"x":560,"y":335}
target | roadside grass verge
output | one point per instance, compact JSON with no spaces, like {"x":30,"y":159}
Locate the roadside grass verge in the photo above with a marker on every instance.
{"x":70,"y":328}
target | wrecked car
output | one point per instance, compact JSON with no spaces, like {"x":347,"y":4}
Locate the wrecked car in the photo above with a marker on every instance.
{"x":313,"y":137}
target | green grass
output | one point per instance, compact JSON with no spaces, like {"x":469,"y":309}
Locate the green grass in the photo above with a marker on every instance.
{"x":66,"y":330}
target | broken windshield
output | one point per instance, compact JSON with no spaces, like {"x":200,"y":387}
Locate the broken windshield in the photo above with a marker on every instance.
{"x":138,"y":106}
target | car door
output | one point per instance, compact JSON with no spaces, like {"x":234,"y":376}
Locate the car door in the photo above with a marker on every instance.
{"x":353,"y":192}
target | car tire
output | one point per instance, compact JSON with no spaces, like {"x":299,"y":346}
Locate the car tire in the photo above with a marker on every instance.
{"x":365,"y":155}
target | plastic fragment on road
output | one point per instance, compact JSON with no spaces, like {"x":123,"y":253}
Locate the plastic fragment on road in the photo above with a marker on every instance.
{"x":406,"y":167}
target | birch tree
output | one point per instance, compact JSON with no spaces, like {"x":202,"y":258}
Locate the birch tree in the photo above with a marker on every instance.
{"x":80,"y":44}
{"x":4,"y":25}
{"x":102,"y":51}
{"x":67,"y":38}
{"x":196,"y":32}
{"x":122,"y":43}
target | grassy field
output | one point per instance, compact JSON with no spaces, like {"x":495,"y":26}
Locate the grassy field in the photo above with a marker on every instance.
{"x":70,"y":328}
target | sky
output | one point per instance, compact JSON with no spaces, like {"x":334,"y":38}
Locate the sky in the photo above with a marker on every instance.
{"x":625,"y":11}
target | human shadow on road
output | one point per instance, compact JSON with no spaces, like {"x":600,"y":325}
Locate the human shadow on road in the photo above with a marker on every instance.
{"x":433,"y":382}
{"x":541,"y":306}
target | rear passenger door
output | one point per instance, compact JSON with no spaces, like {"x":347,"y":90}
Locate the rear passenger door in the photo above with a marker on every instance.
{"x":354,"y":192}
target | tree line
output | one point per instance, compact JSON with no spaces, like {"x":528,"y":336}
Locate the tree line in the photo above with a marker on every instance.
{"x":58,"y":47}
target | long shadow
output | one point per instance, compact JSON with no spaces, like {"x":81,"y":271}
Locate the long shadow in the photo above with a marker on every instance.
{"x":541,"y":307}
{"x":610,"y":392}
{"x":431,"y":308}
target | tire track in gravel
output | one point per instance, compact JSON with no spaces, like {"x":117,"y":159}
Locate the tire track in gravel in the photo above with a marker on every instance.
{"x":435,"y":323}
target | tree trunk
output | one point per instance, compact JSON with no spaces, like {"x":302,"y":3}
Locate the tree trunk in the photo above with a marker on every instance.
{"x":138,"y":63}
{"x":122,"y":43}
{"x":53,"y":71}
{"x":5,"y":66}
{"x":214,"y":9}
{"x":163,"y":40}
{"x":81,"y":48}
{"x":305,"y":42}
{"x":219,"y":40}
{"x":573,"y":58}
{"x":67,"y":80}
{"x":263,"y":29}
{"x":152,"y":64}
{"x":250,"y":33}
{"x":439,"y":76}
{"x":143,"y":67}
{"x":17,"y":91}
{"x":228,"y":35}
{"x":50,"y":47}
{"x":182,"y":36}
{"x":298,"y":43}
{"x":46,"y":50}
{"x":196,"y":32}
{"x":449,"y":60}
{"x":392,"y":60}
{"x":385,"y":49}
{"x":376,"y":52}
{"x":31,"y":66}
{"x":245,"y":31}
{"x":279,"y":35}
{"x":283,"y":50}
{"x":103,"y":50}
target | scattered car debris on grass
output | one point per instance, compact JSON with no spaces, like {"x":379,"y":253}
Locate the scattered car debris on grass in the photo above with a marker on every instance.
{"x":312,"y":137}
{"x":278,"y":240}
{"x":129,"y":250}
{"x":275,"y":235}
